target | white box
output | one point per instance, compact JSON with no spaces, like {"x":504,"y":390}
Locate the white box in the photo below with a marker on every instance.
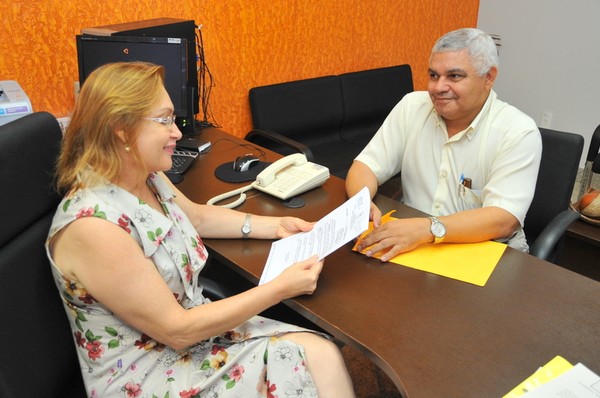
{"x":14,"y":103}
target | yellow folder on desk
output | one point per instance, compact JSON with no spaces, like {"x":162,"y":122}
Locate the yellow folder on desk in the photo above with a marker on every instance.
{"x":467,"y":262}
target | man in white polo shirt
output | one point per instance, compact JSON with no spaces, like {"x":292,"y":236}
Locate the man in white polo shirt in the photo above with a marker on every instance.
{"x":465,"y":157}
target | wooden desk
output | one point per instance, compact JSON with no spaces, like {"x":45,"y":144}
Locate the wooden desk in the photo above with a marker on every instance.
{"x":586,"y":232}
{"x":434,"y":336}
{"x":581,"y":252}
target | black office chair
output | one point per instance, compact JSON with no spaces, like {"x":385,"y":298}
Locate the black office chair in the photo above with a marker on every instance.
{"x":594,"y":152}
{"x":289,"y":117}
{"x":549,"y":214}
{"x":38,"y":351}
{"x":329,"y":118}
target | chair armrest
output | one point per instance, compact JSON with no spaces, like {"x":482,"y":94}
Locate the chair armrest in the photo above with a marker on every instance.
{"x":281,"y":139}
{"x":545,"y":244}
{"x":596,"y":164}
{"x":214,"y":290}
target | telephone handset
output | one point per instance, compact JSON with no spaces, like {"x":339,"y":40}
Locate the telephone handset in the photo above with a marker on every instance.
{"x":287,"y":177}
{"x":267,"y":176}
{"x":291,"y":176}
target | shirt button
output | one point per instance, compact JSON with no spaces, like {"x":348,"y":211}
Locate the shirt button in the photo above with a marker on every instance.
{"x":444,"y":175}
{"x":437,"y":206}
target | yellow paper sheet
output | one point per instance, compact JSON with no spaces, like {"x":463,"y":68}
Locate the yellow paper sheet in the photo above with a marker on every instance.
{"x":557,"y":366}
{"x":467,"y":262}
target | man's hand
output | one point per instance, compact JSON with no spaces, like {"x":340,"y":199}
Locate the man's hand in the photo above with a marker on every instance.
{"x":375,"y":215}
{"x":396,"y":236}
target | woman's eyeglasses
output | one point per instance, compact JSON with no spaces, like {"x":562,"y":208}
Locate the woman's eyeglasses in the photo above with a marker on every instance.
{"x":165,"y":121}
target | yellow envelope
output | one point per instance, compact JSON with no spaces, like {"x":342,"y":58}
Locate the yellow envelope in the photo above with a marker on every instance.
{"x":467,"y":262}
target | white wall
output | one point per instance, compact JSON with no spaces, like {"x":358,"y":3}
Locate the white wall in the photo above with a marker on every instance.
{"x":549,"y":59}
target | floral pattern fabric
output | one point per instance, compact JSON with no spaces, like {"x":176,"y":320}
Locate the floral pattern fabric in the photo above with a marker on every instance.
{"x":119,"y":361}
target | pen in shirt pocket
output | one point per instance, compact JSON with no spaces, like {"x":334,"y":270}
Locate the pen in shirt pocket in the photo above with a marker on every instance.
{"x":464,"y":182}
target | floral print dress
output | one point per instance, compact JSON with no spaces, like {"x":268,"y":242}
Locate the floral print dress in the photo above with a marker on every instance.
{"x":119,"y":361}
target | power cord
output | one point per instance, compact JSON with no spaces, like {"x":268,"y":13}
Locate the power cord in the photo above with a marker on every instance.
{"x":205,"y":83}
{"x":262,"y":153}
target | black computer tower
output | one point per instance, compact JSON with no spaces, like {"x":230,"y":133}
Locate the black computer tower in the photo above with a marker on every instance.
{"x":164,"y":27}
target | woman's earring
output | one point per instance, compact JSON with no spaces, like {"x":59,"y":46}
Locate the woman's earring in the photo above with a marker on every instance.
{"x":127,"y":148}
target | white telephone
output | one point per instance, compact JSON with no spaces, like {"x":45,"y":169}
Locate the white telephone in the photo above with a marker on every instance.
{"x":285,"y":178}
{"x":290,"y":176}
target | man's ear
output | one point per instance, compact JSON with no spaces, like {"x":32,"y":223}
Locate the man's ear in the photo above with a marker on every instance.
{"x":490,"y":77}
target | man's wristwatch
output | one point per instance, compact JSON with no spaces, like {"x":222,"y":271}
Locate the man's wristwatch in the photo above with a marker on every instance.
{"x":246,"y":228}
{"x":438,"y":230}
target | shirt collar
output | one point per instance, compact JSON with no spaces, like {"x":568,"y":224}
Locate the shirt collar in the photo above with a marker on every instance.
{"x":160,"y":188}
{"x":472,"y":128}
{"x":482,"y":113}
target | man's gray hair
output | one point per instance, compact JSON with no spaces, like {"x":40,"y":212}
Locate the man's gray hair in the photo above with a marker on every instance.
{"x":481,"y":47}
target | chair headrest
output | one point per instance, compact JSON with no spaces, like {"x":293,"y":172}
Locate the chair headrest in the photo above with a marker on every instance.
{"x":29,"y":147}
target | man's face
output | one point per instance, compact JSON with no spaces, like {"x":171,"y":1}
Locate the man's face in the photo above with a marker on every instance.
{"x":456,"y":90}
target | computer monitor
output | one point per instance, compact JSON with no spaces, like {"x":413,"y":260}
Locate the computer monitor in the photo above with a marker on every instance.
{"x":171,"y":53}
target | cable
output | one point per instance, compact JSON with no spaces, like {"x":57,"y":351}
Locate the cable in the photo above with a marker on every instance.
{"x":262,"y":153}
{"x":205,"y":83}
{"x":229,"y":194}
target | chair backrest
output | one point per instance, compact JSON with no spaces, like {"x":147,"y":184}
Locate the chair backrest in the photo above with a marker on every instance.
{"x":38,"y":350}
{"x":334,"y":116}
{"x":369,"y":96}
{"x":561,"y":154}
{"x":593,"y":154}
{"x":302,"y":110}
{"x":592,"y":164}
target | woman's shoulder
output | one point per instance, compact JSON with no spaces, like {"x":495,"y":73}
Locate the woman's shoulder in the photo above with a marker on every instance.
{"x":85,"y":202}
{"x":82,"y":203}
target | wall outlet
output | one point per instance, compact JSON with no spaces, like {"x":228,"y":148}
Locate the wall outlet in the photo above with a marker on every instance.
{"x":546,"y":119}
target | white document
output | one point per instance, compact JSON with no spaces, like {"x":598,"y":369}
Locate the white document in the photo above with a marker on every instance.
{"x":577,"y":382}
{"x":330,"y":233}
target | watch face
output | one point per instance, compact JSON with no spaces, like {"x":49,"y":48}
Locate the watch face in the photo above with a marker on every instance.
{"x":246,"y":228}
{"x":438,"y":230}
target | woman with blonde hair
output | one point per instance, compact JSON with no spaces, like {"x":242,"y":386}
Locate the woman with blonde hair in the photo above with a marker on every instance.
{"x":126,"y":253}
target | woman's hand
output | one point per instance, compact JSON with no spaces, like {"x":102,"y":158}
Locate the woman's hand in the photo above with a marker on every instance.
{"x":299,"y":278}
{"x":292,"y":225}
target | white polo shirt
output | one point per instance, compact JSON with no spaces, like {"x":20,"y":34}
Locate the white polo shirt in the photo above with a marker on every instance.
{"x":500,"y":152}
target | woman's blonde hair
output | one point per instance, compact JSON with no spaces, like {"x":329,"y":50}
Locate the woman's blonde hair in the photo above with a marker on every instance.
{"x":114,"y":97}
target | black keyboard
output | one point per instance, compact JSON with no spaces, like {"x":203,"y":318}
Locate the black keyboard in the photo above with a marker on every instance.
{"x":182,"y":160}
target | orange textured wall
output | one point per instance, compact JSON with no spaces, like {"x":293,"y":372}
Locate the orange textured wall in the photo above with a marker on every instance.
{"x":247,"y":42}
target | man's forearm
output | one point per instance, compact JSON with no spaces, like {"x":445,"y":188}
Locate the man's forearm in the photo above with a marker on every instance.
{"x":479,"y":225}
